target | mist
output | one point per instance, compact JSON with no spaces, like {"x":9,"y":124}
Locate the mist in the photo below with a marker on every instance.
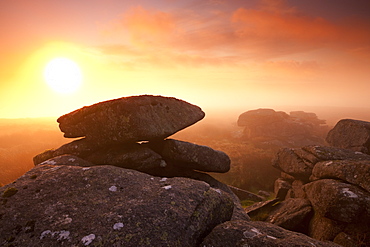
{"x":22,"y":139}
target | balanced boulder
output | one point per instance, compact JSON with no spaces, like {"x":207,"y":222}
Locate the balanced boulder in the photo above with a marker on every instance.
{"x":128,"y":119}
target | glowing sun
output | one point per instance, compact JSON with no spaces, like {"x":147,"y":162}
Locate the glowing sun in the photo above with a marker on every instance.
{"x":63,"y":75}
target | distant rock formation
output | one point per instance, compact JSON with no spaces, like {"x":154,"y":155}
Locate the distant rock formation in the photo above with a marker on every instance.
{"x":297,"y":129}
{"x":324,"y":192}
{"x":125,"y":184}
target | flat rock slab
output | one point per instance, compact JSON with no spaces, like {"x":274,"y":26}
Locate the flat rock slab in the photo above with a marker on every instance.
{"x":128,"y":119}
{"x":108,"y":206}
{"x":299,"y":162}
{"x":351,"y":171}
{"x":350,"y":134}
{"x":256,"y":234}
{"x":193,"y":156}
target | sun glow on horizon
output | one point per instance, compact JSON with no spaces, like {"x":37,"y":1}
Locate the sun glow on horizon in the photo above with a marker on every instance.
{"x":63,"y":75}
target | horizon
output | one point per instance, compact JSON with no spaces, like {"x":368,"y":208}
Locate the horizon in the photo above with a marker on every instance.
{"x":219,"y":55}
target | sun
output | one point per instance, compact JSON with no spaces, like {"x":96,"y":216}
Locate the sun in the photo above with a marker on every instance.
{"x":63,"y":75}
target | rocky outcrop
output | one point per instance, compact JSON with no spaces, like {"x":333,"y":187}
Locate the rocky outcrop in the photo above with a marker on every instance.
{"x":350,"y":134}
{"x":130,"y":133}
{"x":324,"y":191}
{"x":278,"y":128}
{"x":106,"y":191}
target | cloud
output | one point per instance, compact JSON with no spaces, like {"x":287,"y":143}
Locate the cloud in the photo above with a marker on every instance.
{"x":217,"y":36}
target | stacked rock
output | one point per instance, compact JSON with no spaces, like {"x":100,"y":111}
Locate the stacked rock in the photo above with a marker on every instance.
{"x":323,"y":192}
{"x":131,"y":132}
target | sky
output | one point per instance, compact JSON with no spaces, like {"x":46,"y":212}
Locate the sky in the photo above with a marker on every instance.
{"x":224,"y":55}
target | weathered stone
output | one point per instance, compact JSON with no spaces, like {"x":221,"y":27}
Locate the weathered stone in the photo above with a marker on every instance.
{"x":323,"y":153}
{"x":80,"y":148}
{"x":135,"y":156}
{"x":345,"y":240}
{"x":299,"y":162}
{"x":67,"y":160}
{"x":257,"y":234}
{"x":245,"y":195}
{"x":171,"y":171}
{"x":108,"y":206}
{"x":291,"y":214}
{"x":297,"y":189}
{"x":354,"y":172}
{"x":350,"y":134}
{"x":289,"y":162}
{"x":130,"y":119}
{"x":281,"y":188}
{"x":322,"y":228}
{"x":338,"y":201}
{"x":193,"y":156}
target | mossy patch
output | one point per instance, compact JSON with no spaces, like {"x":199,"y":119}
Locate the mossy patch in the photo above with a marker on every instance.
{"x":10,"y":192}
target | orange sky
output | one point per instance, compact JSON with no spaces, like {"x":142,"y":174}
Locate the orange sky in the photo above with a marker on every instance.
{"x":226,"y":55}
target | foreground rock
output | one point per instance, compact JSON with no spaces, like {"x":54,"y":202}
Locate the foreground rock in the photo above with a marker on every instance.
{"x":108,"y":206}
{"x":332,"y":182}
{"x":256,"y":234}
{"x":350,"y":134}
{"x":130,"y":119}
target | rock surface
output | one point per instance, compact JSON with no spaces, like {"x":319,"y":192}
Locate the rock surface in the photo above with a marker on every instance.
{"x":130,"y":119}
{"x":108,"y":206}
{"x":350,"y":171}
{"x":338,"y":201}
{"x":257,"y":234}
{"x":350,"y":134}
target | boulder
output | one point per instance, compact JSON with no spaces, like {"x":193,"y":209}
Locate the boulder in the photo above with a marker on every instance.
{"x":108,"y":206}
{"x":193,"y":156}
{"x":299,"y":162}
{"x":80,"y":148}
{"x":323,"y":228}
{"x":297,"y":190}
{"x":291,"y":214}
{"x":130,"y":119}
{"x":338,"y":201}
{"x":135,"y":156}
{"x":350,"y":134}
{"x":256,"y":234}
{"x":354,"y":172}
